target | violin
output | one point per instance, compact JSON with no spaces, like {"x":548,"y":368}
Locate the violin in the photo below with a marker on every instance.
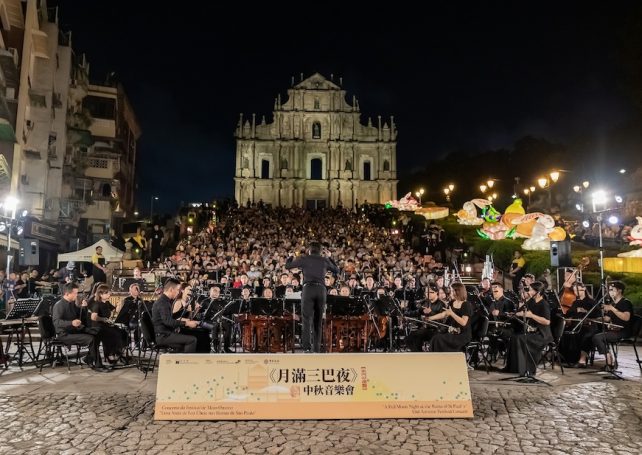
{"x":568,"y":296}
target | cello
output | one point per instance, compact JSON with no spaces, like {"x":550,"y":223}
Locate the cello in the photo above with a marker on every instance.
{"x":568,"y":297}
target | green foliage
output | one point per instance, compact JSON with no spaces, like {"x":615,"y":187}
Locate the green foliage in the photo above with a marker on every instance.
{"x":537,"y":262}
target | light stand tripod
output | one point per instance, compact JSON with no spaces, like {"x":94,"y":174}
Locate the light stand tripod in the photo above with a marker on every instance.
{"x":611,"y":372}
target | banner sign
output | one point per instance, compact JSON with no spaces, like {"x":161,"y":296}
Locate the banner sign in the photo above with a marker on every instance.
{"x":312,"y":386}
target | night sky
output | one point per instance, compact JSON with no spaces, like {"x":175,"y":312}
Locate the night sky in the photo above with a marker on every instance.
{"x":457,"y":77}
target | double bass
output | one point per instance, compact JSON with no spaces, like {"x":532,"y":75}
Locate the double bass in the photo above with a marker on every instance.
{"x":568,"y":297}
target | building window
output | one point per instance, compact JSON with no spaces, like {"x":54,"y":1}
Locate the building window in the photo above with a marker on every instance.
{"x":386,"y":165}
{"x":265,"y":169}
{"x":367,"y":170}
{"x":317,"y":104}
{"x":316,"y":170}
{"x":99,"y":107}
{"x":316,"y":130}
{"x":106,"y":190}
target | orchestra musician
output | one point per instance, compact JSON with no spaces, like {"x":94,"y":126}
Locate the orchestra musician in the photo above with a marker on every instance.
{"x":575,"y":337}
{"x":185,"y":306}
{"x":525,"y":349}
{"x":165,"y":325}
{"x":444,"y":293}
{"x":113,"y":339}
{"x":314,"y":267}
{"x":499,"y":330}
{"x":501,"y":305}
{"x":71,"y":330}
{"x":226,"y":324}
{"x":431,"y":306}
{"x":619,"y":313}
{"x":458,"y":315}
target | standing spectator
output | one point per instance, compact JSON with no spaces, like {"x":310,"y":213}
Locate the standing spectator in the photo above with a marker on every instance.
{"x":517,"y":269}
{"x":99,"y":271}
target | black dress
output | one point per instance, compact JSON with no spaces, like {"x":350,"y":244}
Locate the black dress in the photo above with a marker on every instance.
{"x":525,"y":349}
{"x":576,"y":339}
{"x":454,"y":342}
{"x":113,"y":338}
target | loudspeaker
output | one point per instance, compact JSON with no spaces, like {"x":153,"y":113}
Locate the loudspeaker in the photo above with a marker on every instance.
{"x":29,"y":252}
{"x":561,"y":253}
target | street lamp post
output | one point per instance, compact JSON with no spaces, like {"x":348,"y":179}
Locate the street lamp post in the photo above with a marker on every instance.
{"x":579,"y":189}
{"x":527,"y":192}
{"x":448,"y":191}
{"x":419,"y":194}
{"x":151,"y":208}
{"x":545,"y":183}
{"x":10,"y":205}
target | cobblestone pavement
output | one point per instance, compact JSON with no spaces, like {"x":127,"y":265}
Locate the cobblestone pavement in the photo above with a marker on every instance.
{"x":87,"y":413}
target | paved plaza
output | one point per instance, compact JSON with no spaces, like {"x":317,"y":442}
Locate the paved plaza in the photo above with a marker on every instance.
{"x":86,"y":412}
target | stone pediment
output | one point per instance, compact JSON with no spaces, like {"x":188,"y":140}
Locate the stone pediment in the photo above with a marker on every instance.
{"x":316,"y":82}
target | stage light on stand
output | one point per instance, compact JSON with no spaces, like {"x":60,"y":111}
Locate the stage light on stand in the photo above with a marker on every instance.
{"x":3,"y":227}
{"x":578,"y":207}
{"x":24,"y":213}
{"x":19,"y":230}
{"x":618,"y":199}
{"x":598,"y":198}
{"x":613,"y":219}
{"x":622,"y":171}
{"x":586,"y":224}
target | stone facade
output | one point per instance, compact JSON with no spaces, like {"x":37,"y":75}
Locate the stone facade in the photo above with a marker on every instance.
{"x":315,"y":152}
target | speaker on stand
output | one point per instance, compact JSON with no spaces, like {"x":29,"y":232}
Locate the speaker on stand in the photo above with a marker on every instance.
{"x":561,"y":253}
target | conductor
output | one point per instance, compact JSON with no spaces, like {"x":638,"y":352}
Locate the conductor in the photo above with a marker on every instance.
{"x":314,"y":267}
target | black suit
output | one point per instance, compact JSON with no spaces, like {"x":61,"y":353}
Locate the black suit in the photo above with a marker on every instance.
{"x":314,"y":268}
{"x":63,"y":313}
{"x":165,"y":326}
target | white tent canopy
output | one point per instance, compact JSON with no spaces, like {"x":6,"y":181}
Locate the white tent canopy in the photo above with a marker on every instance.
{"x":110,"y":253}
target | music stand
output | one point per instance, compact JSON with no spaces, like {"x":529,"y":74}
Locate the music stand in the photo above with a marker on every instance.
{"x":294,"y":298}
{"x":45,"y":306}
{"x":23,"y":309}
{"x":260,"y":306}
